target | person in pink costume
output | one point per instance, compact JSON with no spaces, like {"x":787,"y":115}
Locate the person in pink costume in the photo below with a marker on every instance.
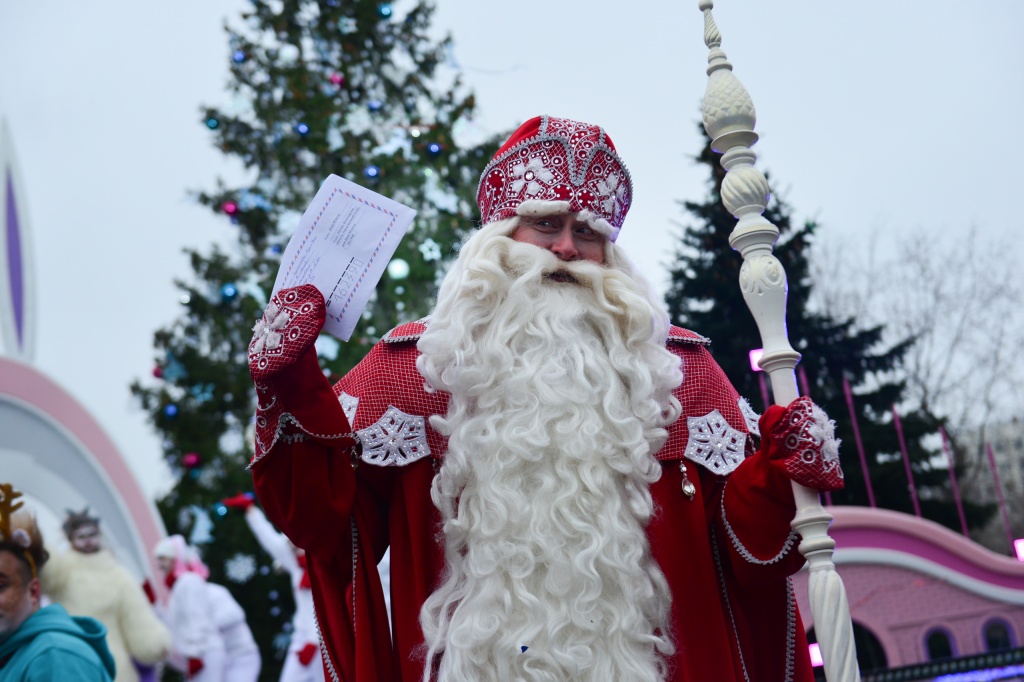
{"x":570,"y":487}
{"x":211,"y":641}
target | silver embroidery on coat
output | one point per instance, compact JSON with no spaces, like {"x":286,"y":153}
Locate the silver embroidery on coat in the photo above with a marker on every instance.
{"x":396,"y":439}
{"x":349,"y":403}
{"x":750,"y":416}
{"x":714,"y":444}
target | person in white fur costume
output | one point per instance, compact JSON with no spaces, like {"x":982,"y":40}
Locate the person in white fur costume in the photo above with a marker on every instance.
{"x":88,"y":580}
{"x":211,"y":641}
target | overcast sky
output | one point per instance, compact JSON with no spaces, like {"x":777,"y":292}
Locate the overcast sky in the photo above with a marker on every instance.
{"x":875,"y":119}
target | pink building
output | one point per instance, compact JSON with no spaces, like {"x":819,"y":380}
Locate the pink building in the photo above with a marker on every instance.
{"x":920,"y":592}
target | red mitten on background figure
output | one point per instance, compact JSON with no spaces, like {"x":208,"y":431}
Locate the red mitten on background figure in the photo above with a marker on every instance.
{"x":240,"y":501}
{"x":306,"y":653}
{"x":800,"y":440}
{"x":194,"y":666}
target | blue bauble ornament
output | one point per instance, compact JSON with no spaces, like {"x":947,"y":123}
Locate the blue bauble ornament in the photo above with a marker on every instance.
{"x":228,"y":292}
{"x":171,"y":410}
{"x":371,"y":171}
{"x":374,"y":105}
{"x":385,"y":11}
{"x":434,"y":148}
{"x":239,"y":56}
{"x":212,"y":123}
{"x":302,"y":129}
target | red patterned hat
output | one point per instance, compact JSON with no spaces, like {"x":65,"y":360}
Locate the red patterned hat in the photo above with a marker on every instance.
{"x":555,"y":165}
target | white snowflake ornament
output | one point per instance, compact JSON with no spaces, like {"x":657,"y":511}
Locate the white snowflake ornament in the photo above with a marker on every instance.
{"x":240,"y":568}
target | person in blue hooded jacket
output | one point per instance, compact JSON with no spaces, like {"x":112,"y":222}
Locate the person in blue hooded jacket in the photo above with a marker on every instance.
{"x":40,"y":644}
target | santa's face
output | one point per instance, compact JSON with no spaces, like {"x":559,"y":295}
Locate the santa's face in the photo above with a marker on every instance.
{"x":563,"y":235}
{"x":85,"y":539}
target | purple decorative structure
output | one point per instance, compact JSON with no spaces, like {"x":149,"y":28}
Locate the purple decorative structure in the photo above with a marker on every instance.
{"x":17,"y":294}
{"x":14,"y":263}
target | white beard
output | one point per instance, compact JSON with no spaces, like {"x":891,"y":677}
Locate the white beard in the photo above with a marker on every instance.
{"x":560,"y":398}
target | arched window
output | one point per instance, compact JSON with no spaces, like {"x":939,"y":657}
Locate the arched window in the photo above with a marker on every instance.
{"x":939,"y":645}
{"x":870,"y":653}
{"x":998,"y":636}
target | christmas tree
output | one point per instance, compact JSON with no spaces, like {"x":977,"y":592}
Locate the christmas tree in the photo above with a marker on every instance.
{"x":704,"y":295}
{"x":357,"y":89}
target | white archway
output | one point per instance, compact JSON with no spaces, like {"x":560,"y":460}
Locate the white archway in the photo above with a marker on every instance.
{"x":52,"y":449}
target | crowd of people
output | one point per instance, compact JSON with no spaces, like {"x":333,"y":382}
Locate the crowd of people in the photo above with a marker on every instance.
{"x":81,"y":615}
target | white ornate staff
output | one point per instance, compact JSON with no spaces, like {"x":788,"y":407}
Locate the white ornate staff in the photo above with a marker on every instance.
{"x":729,"y":119}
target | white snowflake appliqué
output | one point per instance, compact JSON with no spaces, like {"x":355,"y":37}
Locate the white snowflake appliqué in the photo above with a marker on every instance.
{"x":268,"y":335}
{"x":610,"y":192}
{"x":750,"y":416}
{"x":396,"y":439}
{"x":528,"y":174}
{"x":349,"y":403}
{"x":714,"y":444}
{"x":240,"y":568}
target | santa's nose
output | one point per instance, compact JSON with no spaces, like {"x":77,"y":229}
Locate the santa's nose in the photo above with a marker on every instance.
{"x":564,"y":246}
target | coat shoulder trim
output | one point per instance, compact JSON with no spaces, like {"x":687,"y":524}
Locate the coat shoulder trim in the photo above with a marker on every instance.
{"x":403,"y":333}
{"x":678,"y":335}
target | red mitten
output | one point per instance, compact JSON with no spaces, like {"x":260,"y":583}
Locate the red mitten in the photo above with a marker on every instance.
{"x":307,"y":652}
{"x":290,"y":325}
{"x":240,"y":501}
{"x":147,"y":587}
{"x":194,"y":666}
{"x":800,"y":441}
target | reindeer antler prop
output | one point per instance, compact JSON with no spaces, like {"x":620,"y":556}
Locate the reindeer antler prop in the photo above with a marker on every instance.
{"x":729,"y":119}
{"x":8,"y":506}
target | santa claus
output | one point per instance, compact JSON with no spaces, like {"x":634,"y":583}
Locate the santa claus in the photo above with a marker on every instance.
{"x":569,"y":486}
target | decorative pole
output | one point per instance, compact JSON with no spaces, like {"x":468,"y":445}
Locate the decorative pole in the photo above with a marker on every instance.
{"x":860,"y":444}
{"x":953,"y":483}
{"x":911,"y":486}
{"x":999,"y":496}
{"x":729,"y":119}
